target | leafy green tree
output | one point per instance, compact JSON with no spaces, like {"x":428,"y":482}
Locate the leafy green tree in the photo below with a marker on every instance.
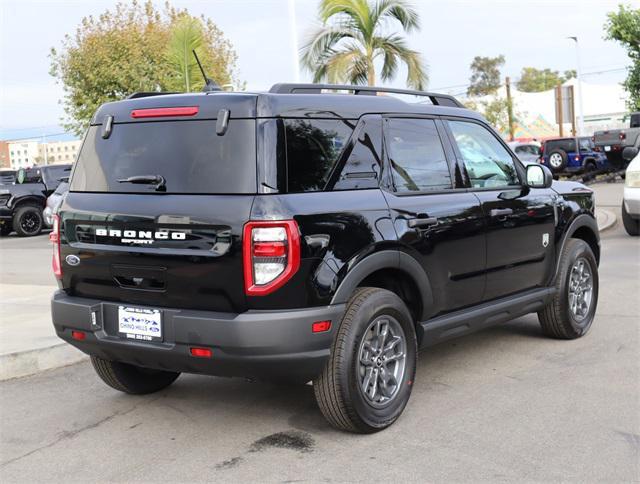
{"x":130,"y":49}
{"x":538,"y":80}
{"x":351,"y":39}
{"x":624,"y":27}
{"x":186,"y":37}
{"x":485,"y":75}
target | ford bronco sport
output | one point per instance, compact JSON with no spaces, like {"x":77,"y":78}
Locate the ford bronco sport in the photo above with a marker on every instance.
{"x":306,"y":234}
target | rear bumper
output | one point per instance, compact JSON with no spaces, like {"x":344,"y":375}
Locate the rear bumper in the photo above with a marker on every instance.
{"x":259,"y":344}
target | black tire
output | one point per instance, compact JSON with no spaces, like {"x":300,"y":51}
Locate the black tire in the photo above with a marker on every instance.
{"x":560,"y":165}
{"x":631,"y":225}
{"x":5,"y":229}
{"x":132,"y":379}
{"x":590,"y":166}
{"x":557,"y":318}
{"x":338,"y":388}
{"x":28,"y":221}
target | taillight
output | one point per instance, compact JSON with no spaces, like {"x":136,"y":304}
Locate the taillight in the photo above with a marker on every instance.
{"x":54,"y":237}
{"x":271,"y":255}
{"x":622,"y":136}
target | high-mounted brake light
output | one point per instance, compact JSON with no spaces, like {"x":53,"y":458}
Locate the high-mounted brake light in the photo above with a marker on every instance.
{"x":271,"y":255}
{"x":164,"y":112}
{"x":54,"y":237}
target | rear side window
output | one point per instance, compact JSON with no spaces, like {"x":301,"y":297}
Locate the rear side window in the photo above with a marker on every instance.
{"x":417,"y":158}
{"x":188,"y":154}
{"x":313,"y":147}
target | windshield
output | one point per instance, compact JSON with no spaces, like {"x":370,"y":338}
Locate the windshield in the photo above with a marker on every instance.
{"x":189,"y":155}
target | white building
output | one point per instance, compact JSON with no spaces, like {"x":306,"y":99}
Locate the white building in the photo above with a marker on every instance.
{"x":59,"y":151}
{"x":28,"y":153}
{"x":23,"y":154}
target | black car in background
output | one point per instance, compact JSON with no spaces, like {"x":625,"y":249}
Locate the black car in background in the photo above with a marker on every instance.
{"x":23,"y":197}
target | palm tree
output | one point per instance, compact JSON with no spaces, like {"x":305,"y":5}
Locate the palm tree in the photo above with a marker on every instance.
{"x":345,"y":49}
{"x":186,"y":36}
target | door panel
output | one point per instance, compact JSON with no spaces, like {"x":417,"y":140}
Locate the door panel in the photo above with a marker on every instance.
{"x":520,"y":244}
{"x":519,"y":221}
{"x":450,"y":246}
{"x":441,"y":227}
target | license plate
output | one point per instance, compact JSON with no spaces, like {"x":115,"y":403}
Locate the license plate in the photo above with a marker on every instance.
{"x":607,"y":148}
{"x":140,"y":323}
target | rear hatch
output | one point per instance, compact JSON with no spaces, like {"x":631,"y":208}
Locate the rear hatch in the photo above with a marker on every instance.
{"x":173,"y":242}
{"x":607,"y":138}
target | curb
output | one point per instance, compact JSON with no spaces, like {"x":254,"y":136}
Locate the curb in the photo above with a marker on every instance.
{"x":605,"y":218}
{"x":26,"y":363}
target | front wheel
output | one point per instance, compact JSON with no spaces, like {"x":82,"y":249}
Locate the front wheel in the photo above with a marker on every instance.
{"x":132,"y":379}
{"x":570,"y":313}
{"x":368,"y":378}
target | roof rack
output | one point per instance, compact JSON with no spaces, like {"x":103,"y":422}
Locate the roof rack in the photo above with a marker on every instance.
{"x":436,"y":99}
{"x":137,"y":95}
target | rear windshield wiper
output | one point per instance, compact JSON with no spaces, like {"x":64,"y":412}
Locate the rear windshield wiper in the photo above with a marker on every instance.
{"x":157,"y":180}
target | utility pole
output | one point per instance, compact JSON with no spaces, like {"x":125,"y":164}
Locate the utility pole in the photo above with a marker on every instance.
{"x":559,"y":113}
{"x":580,"y":115}
{"x":293,"y":34}
{"x":510,"y":108}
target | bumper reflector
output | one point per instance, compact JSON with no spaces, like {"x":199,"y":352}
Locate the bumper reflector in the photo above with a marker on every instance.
{"x":78,"y":335}
{"x":201,"y":352}
{"x":321,"y":326}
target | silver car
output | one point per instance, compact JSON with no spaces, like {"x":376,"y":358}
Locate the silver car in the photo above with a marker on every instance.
{"x":527,"y":152}
{"x":53,"y":203}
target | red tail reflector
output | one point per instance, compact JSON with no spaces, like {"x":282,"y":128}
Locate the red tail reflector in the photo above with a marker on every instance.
{"x":201,"y":352}
{"x":54,"y":237}
{"x":164,"y":112}
{"x":269,"y":249}
{"x":78,"y":335}
{"x":321,"y":326}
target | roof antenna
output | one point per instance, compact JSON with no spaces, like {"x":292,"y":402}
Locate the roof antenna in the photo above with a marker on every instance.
{"x":209,"y":84}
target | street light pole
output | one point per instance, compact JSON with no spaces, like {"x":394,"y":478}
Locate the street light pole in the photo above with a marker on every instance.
{"x":293,"y":33}
{"x":579,"y":79}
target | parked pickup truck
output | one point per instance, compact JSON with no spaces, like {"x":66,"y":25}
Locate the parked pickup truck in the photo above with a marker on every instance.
{"x":23,"y":198}
{"x":613,"y":141}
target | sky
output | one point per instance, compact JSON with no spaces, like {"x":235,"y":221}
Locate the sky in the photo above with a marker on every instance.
{"x":526,"y":32}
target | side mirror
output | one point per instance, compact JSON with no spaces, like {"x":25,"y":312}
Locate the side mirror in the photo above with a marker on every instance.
{"x":629,"y":153}
{"x":539,"y":176}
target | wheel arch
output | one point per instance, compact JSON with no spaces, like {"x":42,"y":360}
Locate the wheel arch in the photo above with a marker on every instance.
{"x":393,"y":270}
{"x":29,"y":200}
{"x":583,"y":227}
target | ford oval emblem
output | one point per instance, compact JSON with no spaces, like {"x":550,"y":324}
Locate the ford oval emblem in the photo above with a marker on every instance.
{"x":72,"y":260}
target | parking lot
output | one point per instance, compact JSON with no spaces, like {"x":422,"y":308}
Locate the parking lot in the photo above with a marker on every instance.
{"x":503,"y":404}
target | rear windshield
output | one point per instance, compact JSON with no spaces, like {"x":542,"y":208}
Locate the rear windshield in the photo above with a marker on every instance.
{"x":189,"y":155}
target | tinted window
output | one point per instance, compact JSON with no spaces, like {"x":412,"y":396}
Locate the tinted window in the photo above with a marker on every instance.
{"x":188,"y":154}
{"x":565,"y":144}
{"x":360,"y":165}
{"x":313,"y":148}
{"x":487,"y":162}
{"x":416,"y":155}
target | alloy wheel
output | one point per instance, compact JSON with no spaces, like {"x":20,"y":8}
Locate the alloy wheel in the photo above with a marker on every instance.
{"x":381,"y":361}
{"x":580,"y":289}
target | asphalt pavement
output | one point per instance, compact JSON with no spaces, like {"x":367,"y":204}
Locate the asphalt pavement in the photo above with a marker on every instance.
{"x":506,"y":404}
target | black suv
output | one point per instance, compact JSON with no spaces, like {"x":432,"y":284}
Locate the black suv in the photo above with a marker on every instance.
{"x":23,"y":196}
{"x":303,"y":234}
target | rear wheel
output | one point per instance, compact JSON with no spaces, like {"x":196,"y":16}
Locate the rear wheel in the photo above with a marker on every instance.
{"x":28,"y":221}
{"x":631,"y":225}
{"x":570,"y":313}
{"x":367,"y":381}
{"x":132,"y":379}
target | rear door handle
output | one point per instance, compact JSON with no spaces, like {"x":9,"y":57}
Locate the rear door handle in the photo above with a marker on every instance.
{"x":501,"y":212}
{"x":422,"y":222}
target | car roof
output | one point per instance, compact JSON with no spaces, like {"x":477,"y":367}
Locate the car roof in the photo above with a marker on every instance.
{"x":270,"y":105}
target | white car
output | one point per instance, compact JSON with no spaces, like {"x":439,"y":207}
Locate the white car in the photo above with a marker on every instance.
{"x":527,"y":152}
{"x":631,"y":198}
